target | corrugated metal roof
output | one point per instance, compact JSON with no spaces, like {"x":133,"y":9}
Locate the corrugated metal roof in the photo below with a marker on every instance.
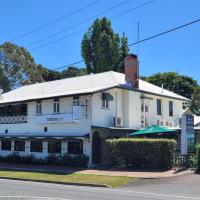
{"x":79,"y":85}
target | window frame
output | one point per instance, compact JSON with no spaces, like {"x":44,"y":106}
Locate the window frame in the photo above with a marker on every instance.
{"x":77,"y":148}
{"x":105,"y":103}
{"x":171,"y":108}
{"x":32,"y":150}
{"x":159,"y":107}
{"x":21,"y":148}
{"x":50,"y":142}
{"x":10,"y":145}
{"x":56,"y":106}
{"x":38,"y":107}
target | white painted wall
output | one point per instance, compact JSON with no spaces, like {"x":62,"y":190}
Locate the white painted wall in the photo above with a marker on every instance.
{"x":105,"y":117}
{"x":33,"y":127}
{"x":127,"y":105}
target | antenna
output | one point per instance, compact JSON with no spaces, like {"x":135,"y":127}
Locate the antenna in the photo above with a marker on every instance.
{"x":177,"y":84}
{"x":138,"y":39}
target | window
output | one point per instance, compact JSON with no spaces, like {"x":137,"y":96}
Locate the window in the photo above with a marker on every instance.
{"x":106,"y":97}
{"x":146,"y":108}
{"x":39,"y":108}
{"x":159,"y":107}
{"x":105,"y":103}
{"x":19,"y":146}
{"x":45,"y":129}
{"x":75,"y":147}
{"x":6,"y":145}
{"x":76,"y":101}
{"x":171,"y":110}
{"x":36,"y":146}
{"x":54,"y":146}
{"x":56,"y":106}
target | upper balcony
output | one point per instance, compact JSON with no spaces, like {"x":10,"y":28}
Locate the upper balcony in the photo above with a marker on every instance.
{"x":18,"y":114}
{"x":13,"y":114}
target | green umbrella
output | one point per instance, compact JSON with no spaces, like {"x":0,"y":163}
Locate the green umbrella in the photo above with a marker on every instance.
{"x":152,"y":129}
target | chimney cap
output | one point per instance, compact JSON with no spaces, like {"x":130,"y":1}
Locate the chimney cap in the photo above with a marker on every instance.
{"x":132,"y":55}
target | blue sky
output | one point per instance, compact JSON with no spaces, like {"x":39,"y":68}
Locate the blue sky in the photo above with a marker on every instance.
{"x":176,"y":51}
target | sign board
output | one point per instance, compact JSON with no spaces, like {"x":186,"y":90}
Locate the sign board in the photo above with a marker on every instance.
{"x":187,"y":133}
{"x":55,"y":119}
{"x":74,"y":116}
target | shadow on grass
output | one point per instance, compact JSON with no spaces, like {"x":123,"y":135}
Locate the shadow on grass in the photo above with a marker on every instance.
{"x":45,"y":169}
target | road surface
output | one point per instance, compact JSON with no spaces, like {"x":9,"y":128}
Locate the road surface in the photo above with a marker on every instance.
{"x":177,"y":188}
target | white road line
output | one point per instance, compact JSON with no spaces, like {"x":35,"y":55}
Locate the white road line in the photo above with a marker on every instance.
{"x":33,"y":197}
{"x":112,"y":190}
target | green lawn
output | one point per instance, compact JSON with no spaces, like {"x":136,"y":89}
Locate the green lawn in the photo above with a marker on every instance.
{"x":113,"y":181}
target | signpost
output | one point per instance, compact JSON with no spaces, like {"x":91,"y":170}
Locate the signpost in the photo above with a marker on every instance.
{"x":187,"y":133}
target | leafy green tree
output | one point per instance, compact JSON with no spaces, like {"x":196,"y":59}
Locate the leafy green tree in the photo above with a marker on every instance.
{"x":123,"y":53}
{"x":49,"y":74}
{"x":73,"y":72}
{"x":180,"y":84}
{"x":102,"y":49}
{"x":4,"y":82}
{"x":19,"y":65}
{"x":195,"y":103}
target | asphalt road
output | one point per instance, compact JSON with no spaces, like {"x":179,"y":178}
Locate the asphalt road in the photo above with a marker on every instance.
{"x":178,"y":188}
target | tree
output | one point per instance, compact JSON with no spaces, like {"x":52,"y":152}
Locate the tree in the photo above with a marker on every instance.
{"x":4,"y":82}
{"x":123,"y":53}
{"x":100,"y":47}
{"x":19,"y":65}
{"x":180,"y":84}
{"x":195,"y":103}
{"x":49,"y":74}
{"x":73,"y":72}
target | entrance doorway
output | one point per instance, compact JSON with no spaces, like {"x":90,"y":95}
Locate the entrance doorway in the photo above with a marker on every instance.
{"x":96,"y":148}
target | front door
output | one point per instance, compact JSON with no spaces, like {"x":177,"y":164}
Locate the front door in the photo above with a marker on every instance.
{"x":96,"y":148}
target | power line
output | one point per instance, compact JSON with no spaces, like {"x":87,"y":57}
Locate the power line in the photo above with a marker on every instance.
{"x":62,"y":38}
{"x":165,"y":32}
{"x":146,"y":39}
{"x":114,"y":17}
{"x":55,"y":21}
{"x":78,"y":24}
{"x":80,"y":61}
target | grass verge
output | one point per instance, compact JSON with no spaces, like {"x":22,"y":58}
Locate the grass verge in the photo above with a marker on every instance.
{"x":112,"y":181}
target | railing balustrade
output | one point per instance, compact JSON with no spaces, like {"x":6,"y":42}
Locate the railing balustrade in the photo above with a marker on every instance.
{"x":14,"y":119}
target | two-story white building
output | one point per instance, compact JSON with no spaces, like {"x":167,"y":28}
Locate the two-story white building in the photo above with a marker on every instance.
{"x":76,"y":115}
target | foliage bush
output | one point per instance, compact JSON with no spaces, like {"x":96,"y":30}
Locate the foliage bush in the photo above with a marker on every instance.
{"x":52,"y":159}
{"x":185,"y":161}
{"x":198,"y":157}
{"x":141,"y":153}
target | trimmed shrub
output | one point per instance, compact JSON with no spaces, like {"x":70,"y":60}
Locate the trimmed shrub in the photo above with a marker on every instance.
{"x":141,"y":153}
{"x":198,"y":157}
{"x":79,"y":160}
{"x":52,"y":159}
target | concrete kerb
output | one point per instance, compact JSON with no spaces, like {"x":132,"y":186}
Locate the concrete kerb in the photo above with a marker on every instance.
{"x":58,"y":182}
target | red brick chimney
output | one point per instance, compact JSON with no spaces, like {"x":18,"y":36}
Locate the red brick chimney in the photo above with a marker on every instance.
{"x":132,"y":70}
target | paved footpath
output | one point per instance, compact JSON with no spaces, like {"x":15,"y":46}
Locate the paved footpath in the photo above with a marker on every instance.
{"x":177,"y":188}
{"x":109,"y":172}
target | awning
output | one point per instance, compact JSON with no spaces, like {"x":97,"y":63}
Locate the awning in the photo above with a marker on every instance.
{"x":45,"y":137}
{"x":153,"y":130}
{"x":107,"y":96}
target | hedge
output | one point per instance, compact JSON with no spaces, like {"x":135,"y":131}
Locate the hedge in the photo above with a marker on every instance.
{"x":79,"y":160}
{"x":198,"y":157}
{"x":141,"y":153}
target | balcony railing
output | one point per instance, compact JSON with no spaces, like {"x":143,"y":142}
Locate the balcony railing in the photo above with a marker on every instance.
{"x":13,"y":119}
